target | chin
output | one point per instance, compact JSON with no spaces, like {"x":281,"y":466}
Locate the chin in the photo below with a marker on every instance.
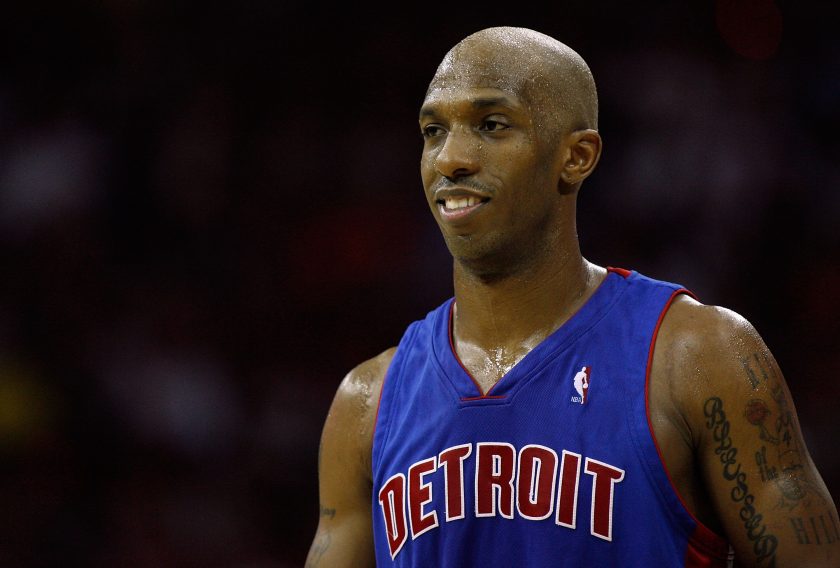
{"x":483,"y":258}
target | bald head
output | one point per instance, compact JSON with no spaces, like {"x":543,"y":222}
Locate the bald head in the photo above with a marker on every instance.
{"x":546,"y":73}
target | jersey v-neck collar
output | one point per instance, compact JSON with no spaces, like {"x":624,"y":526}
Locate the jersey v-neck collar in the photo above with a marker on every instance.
{"x":464,"y":386}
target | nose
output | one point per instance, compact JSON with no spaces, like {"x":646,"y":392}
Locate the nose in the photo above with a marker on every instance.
{"x":459,"y":155}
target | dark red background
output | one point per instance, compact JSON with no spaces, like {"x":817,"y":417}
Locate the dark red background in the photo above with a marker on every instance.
{"x":210,"y":212}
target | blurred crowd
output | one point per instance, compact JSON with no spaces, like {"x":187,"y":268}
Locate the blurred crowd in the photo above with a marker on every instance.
{"x":209,"y":213}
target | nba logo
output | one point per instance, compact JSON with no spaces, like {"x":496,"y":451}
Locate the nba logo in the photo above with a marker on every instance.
{"x":581,"y":384}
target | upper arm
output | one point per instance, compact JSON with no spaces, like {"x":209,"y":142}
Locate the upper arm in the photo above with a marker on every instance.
{"x":344,"y":536}
{"x":764,"y":488}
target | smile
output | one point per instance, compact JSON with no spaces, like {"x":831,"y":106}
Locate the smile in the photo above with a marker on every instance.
{"x":457,"y":207}
{"x":453,"y":203}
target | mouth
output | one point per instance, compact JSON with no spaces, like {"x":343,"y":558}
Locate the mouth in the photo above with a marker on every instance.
{"x":458,"y":205}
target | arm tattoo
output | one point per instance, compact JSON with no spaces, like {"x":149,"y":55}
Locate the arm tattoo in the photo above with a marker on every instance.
{"x":319,"y":547}
{"x":781,"y":460}
{"x":764,"y":543}
{"x":788,"y":475}
{"x":820,"y":529}
{"x":784,"y":466}
{"x":757,"y":368}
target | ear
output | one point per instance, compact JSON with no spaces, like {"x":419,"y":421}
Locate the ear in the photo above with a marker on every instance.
{"x":582,"y":150}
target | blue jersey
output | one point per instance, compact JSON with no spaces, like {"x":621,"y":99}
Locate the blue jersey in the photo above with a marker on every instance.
{"x":556,"y":465}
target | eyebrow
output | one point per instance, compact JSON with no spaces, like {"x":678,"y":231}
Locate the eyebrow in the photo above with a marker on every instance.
{"x":479,"y":103}
{"x":492,"y":101}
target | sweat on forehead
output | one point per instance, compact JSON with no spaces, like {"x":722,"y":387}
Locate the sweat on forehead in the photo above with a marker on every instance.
{"x":526,"y":63}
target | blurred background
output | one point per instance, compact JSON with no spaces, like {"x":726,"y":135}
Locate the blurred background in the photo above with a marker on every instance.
{"x":210,"y":212}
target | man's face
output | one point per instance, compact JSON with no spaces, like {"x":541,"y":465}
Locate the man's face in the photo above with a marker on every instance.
{"x":489,"y":168}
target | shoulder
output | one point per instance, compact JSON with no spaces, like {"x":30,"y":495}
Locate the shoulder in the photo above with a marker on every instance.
{"x":364,"y":382}
{"x":350,"y":422}
{"x":688,"y":317}
{"x":705,"y":351}
{"x":695,"y":332}
{"x":360,"y":388}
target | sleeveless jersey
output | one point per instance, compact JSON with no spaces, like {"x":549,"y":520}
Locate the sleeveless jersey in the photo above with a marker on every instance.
{"x":556,"y":465}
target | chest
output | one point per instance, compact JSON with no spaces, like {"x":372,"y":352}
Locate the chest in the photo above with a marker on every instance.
{"x":554,"y":452}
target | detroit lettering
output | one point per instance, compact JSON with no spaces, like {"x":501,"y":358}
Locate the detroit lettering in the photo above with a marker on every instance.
{"x":532,"y":482}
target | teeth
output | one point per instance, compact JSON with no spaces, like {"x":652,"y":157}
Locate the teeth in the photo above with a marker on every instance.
{"x":452,"y":203}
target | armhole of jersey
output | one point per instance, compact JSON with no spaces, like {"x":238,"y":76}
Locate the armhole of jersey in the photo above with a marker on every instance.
{"x":705,"y":547}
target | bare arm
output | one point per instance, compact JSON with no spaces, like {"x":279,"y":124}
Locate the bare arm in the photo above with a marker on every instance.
{"x":749,"y":454}
{"x":344,"y":537}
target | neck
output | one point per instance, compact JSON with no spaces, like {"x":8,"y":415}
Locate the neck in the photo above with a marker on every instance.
{"x":512,"y":314}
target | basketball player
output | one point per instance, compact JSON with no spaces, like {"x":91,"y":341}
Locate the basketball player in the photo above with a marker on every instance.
{"x":555,"y":412}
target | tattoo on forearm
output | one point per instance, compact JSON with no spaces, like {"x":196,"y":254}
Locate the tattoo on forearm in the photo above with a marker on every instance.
{"x":327,"y":512}
{"x":819,"y":530}
{"x":764,"y":543}
{"x":319,"y":547}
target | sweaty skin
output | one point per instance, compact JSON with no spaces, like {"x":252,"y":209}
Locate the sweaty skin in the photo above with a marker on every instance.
{"x":510,"y":132}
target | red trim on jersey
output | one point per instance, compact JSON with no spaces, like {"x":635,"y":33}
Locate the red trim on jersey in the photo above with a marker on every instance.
{"x":483,"y":394}
{"x":706,"y":549}
{"x":623,"y":272}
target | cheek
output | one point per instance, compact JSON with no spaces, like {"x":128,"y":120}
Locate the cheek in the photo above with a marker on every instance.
{"x":523,"y":175}
{"x":427,"y":170}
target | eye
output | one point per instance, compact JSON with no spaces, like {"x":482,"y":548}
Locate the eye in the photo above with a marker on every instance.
{"x":490,"y":125}
{"x":432,"y":130}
